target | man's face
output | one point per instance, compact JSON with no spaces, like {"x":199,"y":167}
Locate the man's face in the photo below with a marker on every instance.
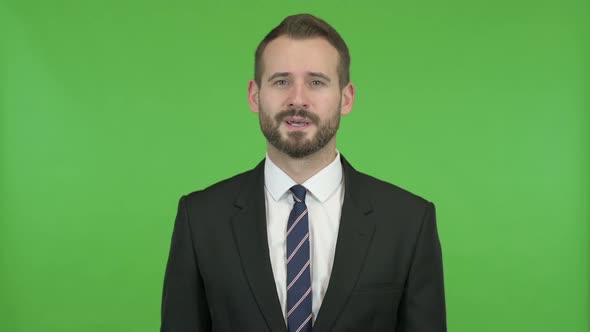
{"x":299,"y":99}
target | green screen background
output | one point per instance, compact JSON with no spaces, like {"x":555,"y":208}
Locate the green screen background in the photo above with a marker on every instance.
{"x":111,"y":110}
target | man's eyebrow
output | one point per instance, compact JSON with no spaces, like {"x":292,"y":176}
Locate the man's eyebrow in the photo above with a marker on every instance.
{"x":320,"y":75}
{"x":279,"y":74}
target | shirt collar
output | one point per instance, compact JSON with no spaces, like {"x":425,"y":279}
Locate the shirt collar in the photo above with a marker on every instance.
{"x":321,"y":185}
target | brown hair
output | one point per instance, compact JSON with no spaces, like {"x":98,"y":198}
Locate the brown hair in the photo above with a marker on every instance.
{"x":303,"y":26}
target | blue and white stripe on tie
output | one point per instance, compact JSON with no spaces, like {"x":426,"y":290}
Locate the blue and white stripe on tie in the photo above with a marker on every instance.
{"x":299,"y":312}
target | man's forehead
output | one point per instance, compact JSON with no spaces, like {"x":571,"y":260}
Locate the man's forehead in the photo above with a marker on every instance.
{"x":300,"y":56}
{"x":313,"y":44}
{"x":308,"y":73}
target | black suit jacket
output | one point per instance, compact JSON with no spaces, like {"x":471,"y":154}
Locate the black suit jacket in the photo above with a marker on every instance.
{"x":387,"y":273}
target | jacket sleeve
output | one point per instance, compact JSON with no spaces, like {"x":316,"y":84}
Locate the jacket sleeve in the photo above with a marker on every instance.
{"x":422,"y":307}
{"x":184,"y":302}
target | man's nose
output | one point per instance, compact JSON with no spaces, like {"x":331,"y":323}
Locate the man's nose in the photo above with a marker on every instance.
{"x":298,"y":96}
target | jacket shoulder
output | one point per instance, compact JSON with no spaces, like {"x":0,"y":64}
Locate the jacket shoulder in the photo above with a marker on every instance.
{"x":384,"y":192}
{"x":224,"y":190}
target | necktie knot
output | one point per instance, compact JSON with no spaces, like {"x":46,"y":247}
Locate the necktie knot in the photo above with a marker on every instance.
{"x":299,"y":192}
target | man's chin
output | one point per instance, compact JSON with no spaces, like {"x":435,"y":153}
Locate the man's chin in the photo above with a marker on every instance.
{"x":299,"y":153}
{"x":295,"y":136}
{"x":296,"y":149}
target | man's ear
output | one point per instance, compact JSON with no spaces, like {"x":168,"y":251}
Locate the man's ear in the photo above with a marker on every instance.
{"x":253,"y":90}
{"x":347,"y":99}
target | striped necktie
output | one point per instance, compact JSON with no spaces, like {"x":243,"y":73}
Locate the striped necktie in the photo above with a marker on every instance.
{"x":299,"y":314}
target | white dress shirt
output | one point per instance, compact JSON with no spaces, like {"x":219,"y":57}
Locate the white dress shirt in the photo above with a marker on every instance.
{"x":325,"y":194}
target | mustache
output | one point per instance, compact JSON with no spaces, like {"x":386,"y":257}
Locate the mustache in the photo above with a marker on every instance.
{"x":298,"y":112}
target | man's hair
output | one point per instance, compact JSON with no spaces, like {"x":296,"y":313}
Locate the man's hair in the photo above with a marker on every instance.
{"x":305,"y":26}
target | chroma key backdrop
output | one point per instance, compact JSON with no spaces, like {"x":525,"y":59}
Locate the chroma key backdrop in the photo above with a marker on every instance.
{"x":111,"y":110}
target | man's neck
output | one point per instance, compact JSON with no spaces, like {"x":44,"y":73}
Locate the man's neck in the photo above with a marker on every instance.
{"x":301,"y":169}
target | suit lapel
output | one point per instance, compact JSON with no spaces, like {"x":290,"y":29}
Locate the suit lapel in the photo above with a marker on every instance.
{"x":249,"y":226}
{"x":354,"y":238}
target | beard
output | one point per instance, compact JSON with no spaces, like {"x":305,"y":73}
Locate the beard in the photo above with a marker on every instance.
{"x":296,"y":144}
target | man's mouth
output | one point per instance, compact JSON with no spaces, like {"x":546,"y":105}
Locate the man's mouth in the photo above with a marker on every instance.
{"x":297,"y":123}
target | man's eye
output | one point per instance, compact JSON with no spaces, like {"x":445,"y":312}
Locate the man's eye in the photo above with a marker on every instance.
{"x":317,"y":83}
{"x":281,"y":82}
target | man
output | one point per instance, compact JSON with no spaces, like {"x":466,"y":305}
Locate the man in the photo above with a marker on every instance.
{"x":303,"y":240}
